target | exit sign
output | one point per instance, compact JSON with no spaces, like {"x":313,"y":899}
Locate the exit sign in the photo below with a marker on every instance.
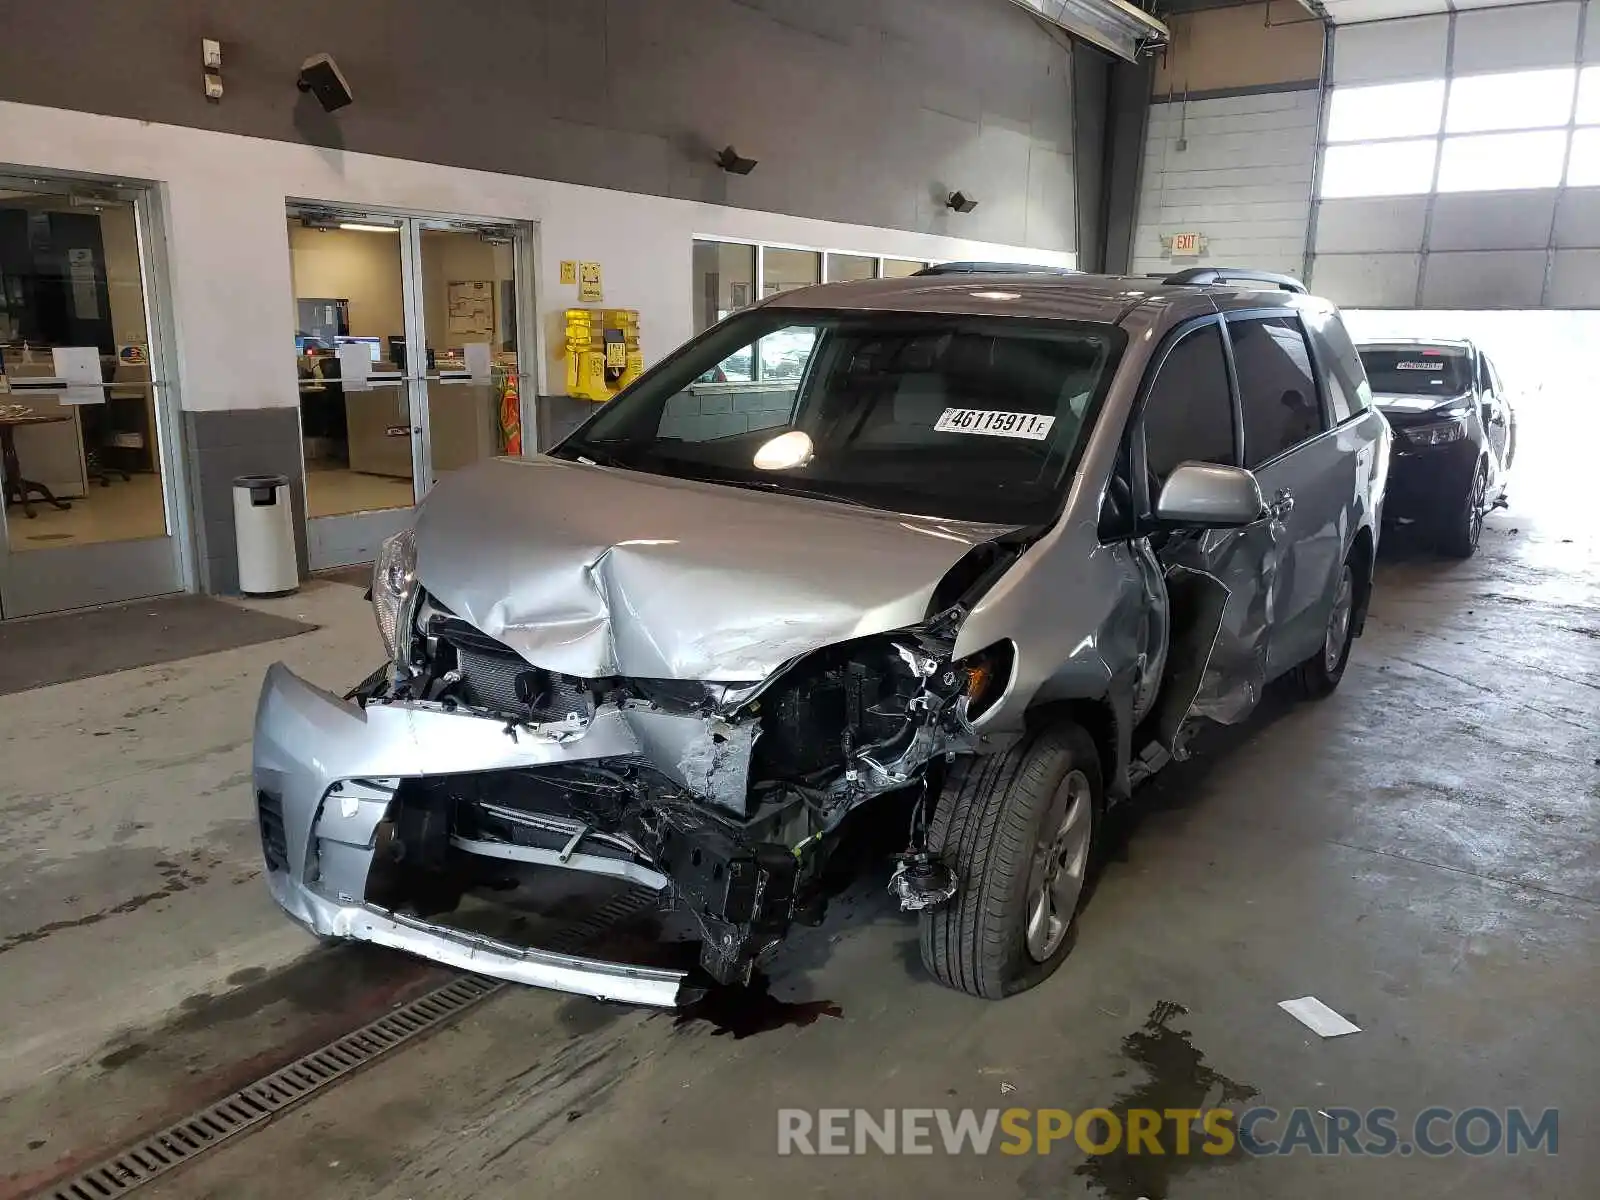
{"x":1186,"y":243}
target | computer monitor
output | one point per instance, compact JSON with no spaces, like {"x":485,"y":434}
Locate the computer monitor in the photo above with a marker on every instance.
{"x":374,"y":345}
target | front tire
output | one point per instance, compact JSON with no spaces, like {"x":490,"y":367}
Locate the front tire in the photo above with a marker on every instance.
{"x":1018,"y":829}
{"x":1459,"y":538}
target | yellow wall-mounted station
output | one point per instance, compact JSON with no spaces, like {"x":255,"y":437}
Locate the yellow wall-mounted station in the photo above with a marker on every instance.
{"x":603,"y":354}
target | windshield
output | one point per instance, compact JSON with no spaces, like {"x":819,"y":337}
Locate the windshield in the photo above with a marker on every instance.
{"x":1419,"y":370}
{"x":968,"y":418}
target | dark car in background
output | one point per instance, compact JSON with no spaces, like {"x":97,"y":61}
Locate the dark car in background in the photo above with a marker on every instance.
{"x":1454,"y":436}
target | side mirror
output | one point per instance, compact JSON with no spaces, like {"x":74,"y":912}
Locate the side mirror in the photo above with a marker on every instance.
{"x":1208,"y":496}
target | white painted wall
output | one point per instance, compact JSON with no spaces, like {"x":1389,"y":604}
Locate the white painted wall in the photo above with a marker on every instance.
{"x":227,"y":247}
{"x":1243,"y":180}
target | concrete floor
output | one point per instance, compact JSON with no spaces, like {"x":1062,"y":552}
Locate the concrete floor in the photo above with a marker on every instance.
{"x":1419,"y":851}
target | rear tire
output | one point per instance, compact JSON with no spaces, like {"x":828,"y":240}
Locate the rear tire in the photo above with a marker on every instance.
{"x":1018,"y":829}
{"x":1459,"y":537}
{"x":1318,"y":675}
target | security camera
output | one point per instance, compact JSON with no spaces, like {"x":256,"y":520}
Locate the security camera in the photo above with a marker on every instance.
{"x":961,"y":202}
{"x":321,"y":76}
{"x":732,"y":162}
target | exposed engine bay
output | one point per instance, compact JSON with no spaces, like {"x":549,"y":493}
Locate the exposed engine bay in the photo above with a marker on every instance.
{"x":729,"y":810}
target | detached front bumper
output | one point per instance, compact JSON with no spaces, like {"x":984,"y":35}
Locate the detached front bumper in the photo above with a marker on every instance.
{"x":325,"y":772}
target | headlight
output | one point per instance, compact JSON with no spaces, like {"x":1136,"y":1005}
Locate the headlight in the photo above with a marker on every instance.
{"x":394,"y":588}
{"x":1438,"y":433}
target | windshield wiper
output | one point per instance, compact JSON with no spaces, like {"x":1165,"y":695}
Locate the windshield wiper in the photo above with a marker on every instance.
{"x":590,"y":453}
{"x":764,"y":485}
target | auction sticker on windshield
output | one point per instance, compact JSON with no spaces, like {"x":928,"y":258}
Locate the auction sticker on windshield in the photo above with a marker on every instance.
{"x":1034,"y":426}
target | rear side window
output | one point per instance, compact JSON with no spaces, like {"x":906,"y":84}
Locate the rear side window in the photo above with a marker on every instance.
{"x":1188,"y":414}
{"x":1276,"y":388}
{"x":1349,"y":393}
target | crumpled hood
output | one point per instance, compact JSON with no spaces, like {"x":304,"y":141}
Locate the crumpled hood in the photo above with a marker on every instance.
{"x":593,"y":571}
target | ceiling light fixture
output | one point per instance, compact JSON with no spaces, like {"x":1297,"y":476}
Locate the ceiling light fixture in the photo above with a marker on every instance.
{"x":363,"y":227}
{"x":1113,"y":25}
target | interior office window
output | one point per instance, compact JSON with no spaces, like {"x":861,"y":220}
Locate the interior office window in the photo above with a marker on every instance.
{"x":1276,"y":390}
{"x":1349,"y":392}
{"x":900,"y":268}
{"x":1388,"y":110}
{"x":1188,"y":414}
{"x":1583,"y":164}
{"x":1495,"y":162}
{"x":1379,"y":169}
{"x":1513,"y":100}
{"x":724,"y":280}
{"x":842,"y":268}
{"x":785,"y":270}
{"x":1588,"y":108}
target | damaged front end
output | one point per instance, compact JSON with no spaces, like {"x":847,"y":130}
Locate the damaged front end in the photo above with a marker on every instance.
{"x":721,"y":798}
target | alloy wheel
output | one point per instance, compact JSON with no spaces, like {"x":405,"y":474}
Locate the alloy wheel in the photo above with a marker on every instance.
{"x":1333,"y":642}
{"x":1060,"y":861}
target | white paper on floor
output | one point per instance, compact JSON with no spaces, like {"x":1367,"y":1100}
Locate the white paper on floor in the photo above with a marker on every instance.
{"x":1318,"y":1017}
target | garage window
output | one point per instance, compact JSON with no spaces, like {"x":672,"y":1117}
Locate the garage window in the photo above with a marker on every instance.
{"x":1276,"y":390}
{"x":1502,"y":161}
{"x":1513,"y":100}
{"x":1389,"y":110}
{"x":1380,"y":169}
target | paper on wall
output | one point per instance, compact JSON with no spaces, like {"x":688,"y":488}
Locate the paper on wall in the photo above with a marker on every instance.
{"x":79,"y":368}
{"x":476,"y":355}
{"x":355,"y":364}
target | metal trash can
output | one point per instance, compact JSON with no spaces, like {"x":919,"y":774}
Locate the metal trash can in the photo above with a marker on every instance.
{"x":263,"y":521}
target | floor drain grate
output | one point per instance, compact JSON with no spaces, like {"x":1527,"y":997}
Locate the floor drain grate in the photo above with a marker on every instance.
{"x":267,"y":1097}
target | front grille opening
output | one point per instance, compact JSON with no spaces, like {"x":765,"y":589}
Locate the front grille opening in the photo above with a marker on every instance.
{"x":497,"y":678}
{"x":274,"y":837}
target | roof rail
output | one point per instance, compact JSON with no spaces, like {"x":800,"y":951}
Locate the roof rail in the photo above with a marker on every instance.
{"x":1201,"y":276}
{"x":991,"y":268}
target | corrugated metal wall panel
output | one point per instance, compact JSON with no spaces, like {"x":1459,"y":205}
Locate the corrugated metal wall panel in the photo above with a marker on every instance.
{"x":1368,"y":280}
{"x":1371,"y":223}
{"x":1515,"y":39}
{"x":1483,"y":279}
{"x":1242,"y":181}
{"x":1575,"y":279}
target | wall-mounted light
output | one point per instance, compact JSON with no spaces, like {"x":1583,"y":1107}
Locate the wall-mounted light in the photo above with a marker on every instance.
{"x":321,"y":76}
{"x":961,"y":202}
{"x":730,"y":161}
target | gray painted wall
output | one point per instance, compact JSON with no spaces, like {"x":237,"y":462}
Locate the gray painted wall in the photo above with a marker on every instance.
{"x":866,"y":111}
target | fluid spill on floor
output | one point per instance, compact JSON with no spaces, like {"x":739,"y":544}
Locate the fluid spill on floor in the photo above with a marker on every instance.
{"x":1176,"y":1077}
{"x":744,"y":1011}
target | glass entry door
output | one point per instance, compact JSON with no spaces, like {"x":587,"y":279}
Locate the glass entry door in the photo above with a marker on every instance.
{"x":406,"y":347}
{"x":87,"y":427}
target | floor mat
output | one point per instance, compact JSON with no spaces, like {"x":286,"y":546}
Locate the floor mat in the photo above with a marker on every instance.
{"x":82,"y":645}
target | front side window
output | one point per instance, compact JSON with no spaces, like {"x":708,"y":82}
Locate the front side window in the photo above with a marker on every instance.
{"x":1277,"y":392}
{"x":1418,"y":370}
{"x":969,"y":418}
{"x":1188,"y":413}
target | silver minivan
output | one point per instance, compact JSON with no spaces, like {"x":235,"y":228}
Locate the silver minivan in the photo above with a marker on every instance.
{"x":990,"y":546}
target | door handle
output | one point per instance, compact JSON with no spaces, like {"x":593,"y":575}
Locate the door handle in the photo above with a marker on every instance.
{"x":1282,"y":504}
